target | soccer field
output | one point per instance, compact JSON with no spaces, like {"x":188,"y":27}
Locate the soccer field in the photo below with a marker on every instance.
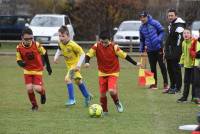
{"x":146,"y":111}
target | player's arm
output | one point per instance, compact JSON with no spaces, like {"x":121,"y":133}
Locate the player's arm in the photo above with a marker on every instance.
{"x":181,"y":62}
{"x":91,"y":53}
{"x":79,"y":51}
{"x":124,"y":55}
{"x":19,"y":60}
{"x":57,"y":55}
{"x":45,"y":56}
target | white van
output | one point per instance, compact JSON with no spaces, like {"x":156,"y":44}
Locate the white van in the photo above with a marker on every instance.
{"x":45,"y":28}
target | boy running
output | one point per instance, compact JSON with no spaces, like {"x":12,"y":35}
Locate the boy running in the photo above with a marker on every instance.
{"x":29,"y":58}
{"x":74,"y":56}
{"x":107,"y":54}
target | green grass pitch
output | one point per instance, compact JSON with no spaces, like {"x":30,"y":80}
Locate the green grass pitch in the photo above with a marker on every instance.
{"x":146,"y":111}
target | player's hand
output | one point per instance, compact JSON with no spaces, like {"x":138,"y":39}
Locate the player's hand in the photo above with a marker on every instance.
{"x":87,"y":65}
{"x":143,"y":54}
{"x":55,"y":61}
{"x":77,"y":68}
{"x":140,"y":65}
{"x":181,"y":65}
{"x":49,"y":70}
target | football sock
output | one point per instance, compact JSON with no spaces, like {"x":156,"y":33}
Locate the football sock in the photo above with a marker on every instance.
{"x":70,"y":91}
{"x":84,"y":90}
{"x":103,"y":101}
{"x":115,"y":98}
{"x":32,"y":99}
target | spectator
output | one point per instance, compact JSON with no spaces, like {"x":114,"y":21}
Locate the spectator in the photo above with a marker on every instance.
{"x":187,"y":62}
{"x":151,"y":37}
{"x":173,"y":51}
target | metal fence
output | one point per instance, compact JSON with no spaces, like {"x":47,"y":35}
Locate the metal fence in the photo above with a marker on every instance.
{"x":130,"y":46}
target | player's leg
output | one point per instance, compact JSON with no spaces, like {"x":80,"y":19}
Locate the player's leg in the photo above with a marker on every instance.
{"x":78,"y":80}
{"x":30,"y":91}
{"x":39,"y":87}
{"x":112,"y":88}
{"x":70,"y":88}
{"x":103,"y":87}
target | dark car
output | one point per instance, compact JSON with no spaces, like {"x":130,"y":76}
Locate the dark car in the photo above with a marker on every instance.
{"x":11,"y":26}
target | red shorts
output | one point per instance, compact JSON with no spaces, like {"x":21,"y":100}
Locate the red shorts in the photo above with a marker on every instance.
{"x":33,"y":79}
{"x":107,"y":82}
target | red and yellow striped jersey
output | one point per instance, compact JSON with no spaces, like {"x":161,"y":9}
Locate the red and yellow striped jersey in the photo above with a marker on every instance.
{"x":107,"y":58}
{"x":32,"y":57}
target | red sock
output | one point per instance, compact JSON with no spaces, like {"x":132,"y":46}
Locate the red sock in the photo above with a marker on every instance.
{"x":32,"y":99}
{"x":103,"y":101}
{"x":115,"y":98}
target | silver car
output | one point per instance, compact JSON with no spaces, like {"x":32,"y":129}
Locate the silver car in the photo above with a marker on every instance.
{"x":128,"y":34}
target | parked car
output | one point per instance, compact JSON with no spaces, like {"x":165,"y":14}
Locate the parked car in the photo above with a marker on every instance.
{"x":11,"y":26}
{"x":45,"y":28}
{"x":195,"y":28}
{"x":128,"y":32}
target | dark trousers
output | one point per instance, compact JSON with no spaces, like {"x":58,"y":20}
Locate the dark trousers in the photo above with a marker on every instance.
{"x":188,"y":79}
{"x":196,"y":81}
{"x":174,"y":71}
{"x":154,"y":57}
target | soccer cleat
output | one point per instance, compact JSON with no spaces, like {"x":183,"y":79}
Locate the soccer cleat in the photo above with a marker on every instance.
{"x":182,"y":100}
{"x":43,"y":99}
{"x":34,"y":108}
{"x":70,"y":102}
{"x":119,"y":107}
{"x":193,"y":100}
{"x":197,"y":101}
{"x":165,"y":88}
{"x":172,"y":91}
{"x":105,"y":113}
{"x":153,"y":87}
{"x":87,"y":100}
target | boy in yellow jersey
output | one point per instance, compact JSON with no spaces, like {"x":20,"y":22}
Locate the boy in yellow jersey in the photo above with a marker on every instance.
{"x":74,"y":56}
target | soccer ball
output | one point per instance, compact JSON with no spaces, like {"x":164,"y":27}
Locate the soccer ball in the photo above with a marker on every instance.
{"x":95,"y":110}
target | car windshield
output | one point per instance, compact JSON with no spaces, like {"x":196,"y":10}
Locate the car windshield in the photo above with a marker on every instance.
{"x":196,"y":25}
{"x":129,"y":27}
{"x":47,"y":21}
{"x":13,"y":20}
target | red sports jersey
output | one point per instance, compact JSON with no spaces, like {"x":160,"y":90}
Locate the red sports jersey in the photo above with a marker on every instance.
{"x":31,"y":56}
{"x":107,"y":59}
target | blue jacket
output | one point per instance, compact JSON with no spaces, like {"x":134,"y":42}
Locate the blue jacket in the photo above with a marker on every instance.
{"x":151,"y":35}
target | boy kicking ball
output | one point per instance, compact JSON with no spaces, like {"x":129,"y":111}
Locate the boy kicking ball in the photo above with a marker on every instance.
{"x":107,"y":54}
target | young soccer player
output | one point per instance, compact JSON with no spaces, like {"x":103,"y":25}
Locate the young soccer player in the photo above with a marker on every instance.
{"x":107,"y":54}
{"x":29,"y":58}
{"x":187,"y":61}
{"x":74,"y":56}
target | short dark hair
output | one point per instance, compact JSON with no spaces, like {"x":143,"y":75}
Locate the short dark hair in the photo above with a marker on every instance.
{"x":172,"y":10}
{"x":27,"y":30}
{"x":105,"y":35}
{"x":63,"y":29}
{"x":188,"y":28}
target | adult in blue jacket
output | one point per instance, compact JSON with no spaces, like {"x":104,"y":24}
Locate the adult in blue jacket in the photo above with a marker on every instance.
{"x":151,"y":37}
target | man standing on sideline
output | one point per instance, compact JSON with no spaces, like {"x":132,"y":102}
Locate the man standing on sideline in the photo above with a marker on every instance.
{"x":173,"y":50}
{"x":151,"y":37}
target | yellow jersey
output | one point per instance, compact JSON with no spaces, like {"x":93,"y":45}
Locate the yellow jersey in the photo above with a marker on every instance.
{"x":71,"y":52}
